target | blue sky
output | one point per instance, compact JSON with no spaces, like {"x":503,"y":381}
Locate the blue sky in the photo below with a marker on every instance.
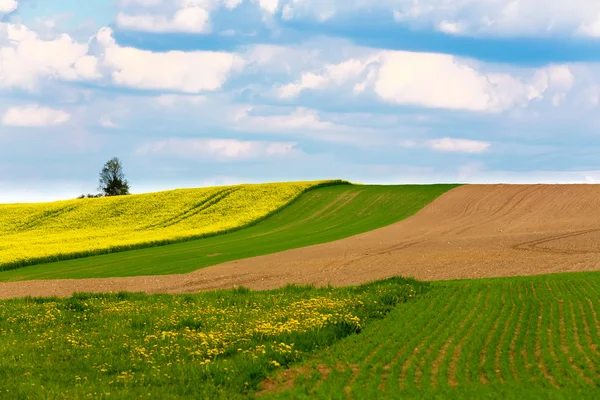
{"x":192,"y":93}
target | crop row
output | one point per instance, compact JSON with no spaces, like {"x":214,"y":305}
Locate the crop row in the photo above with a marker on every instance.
{"x":509,"y":338}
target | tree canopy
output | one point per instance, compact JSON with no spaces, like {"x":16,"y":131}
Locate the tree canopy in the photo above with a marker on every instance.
{"x":112,"y":179}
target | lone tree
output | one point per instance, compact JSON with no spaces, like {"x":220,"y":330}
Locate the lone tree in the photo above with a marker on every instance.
{"x":112,"y":179}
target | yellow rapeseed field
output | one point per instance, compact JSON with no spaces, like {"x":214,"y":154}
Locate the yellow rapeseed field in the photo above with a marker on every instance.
{"x":41,"y":232}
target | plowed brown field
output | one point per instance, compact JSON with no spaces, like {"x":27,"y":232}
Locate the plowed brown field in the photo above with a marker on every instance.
{"x":473,"y":231}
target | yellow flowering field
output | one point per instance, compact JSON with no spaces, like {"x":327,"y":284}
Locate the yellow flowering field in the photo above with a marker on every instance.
{"x":43,"y":232}
{"x":220,"y":344}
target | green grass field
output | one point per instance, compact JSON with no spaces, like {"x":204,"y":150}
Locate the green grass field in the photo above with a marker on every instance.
{"x":203,"y":346}
{"x":319,"y":216}
{"x":510,"y":338}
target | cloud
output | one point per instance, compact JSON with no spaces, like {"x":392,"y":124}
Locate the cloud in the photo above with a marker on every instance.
{"x":464,"y":17}
{"x":444,"y":81}
{"x":332,"y":75}
{"x":458,"y":145}
{"x":432,"y":80}
{"x":189,"y":72}
{"x":306,"y":123}
{"x":187,"y":16}
{"x":560,"y":77}
{"x":106,"y":122}
{"x":501,"y":18}
{"x":452,"y":28}
{"x":189,"y":19}
{"x":34,"y":116}
{"x":301,"y":118}
{"x":8,"y":6}
{"x":26,"y":59}
{"x":269,"y":6}
{"x":218,"y":149}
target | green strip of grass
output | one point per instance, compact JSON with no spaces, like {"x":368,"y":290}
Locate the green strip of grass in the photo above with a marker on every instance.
{"x":510,"y":338}
{"x":319,"y":216}
{"x":213,"y":345}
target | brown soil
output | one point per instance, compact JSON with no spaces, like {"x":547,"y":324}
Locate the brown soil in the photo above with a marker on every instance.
{"x":473,"y":231}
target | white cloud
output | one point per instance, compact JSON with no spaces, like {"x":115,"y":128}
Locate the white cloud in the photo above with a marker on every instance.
{"x":560,"y":77}
{"x":505,"y":18}
{"x":8,"y":6}
{"x":300,"y":119}
{"x":106,"y":122}
{"x":332,"y":75}
{"x":218,"y":149}
{"x":189,"y":19}
{"x":269,"y":6}
{"x":34,"y":116}
{"x":450,"y":27}
{"x":458,"y":145}
{"x":26,"y":59}
{"x":189,"y":16}
{"x":466,"y":17}
{"x":189,"y":72}
{"x":444,"y":81}
{"x":431,"y":80}
{"x":306,"y":123}
{"x":231,"y":4}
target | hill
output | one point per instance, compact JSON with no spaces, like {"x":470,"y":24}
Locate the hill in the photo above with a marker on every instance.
{"x":45,"y":232}
{"x":321,"y":215}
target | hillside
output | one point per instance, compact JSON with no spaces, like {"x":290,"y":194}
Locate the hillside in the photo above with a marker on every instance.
{"x":318,"y":216}
{"x":43,"y":232}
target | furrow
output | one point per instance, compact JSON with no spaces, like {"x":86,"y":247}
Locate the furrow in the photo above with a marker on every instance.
{"x":557,"y":358}
{"x":447,"y":318}
{"x":528,"y":345}
{"x":455,"y":364}
{"x":388,"y":367}
{"x":515,"y":336}
{"x":498,"y":352}
{"x":571,"y":346}
{"x":483,"y":378}
{"x":443,"y":352}
{"x":539,"y":342}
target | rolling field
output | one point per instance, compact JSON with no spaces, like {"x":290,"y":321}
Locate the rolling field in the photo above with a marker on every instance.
{"x":533,"y":337}
{"x":45,"y":232}
{"x":318,"y":216}
{"x":212,"y":345}
{"x":515,"y":337}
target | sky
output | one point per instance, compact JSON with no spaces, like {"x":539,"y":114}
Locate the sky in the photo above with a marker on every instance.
{"x":193,"y":93}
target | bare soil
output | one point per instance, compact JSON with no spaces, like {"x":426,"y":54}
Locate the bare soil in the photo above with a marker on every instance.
{"x":473,"y":231}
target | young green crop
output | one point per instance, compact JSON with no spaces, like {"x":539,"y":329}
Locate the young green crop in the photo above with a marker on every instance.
{"x":510,"y":338}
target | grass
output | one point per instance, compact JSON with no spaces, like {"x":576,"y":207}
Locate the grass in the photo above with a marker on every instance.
{"x":319,"y":216}
{"x":510,"y":338}
{"x":210,"y":345}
